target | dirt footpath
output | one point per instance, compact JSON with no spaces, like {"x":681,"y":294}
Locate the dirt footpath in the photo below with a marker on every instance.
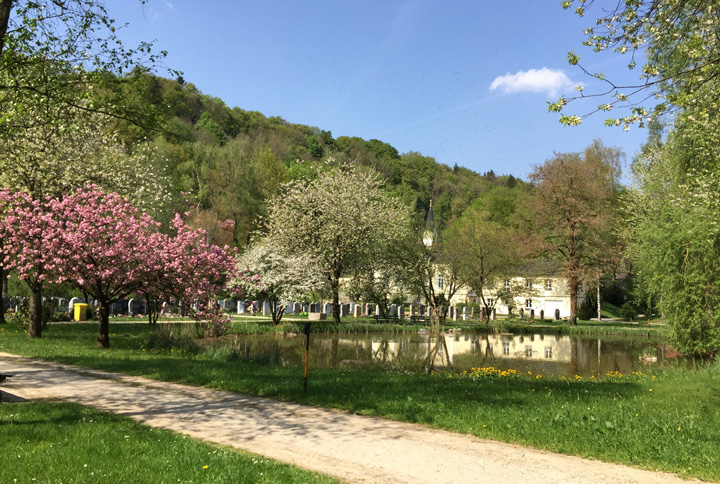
{"x":353,"y":448}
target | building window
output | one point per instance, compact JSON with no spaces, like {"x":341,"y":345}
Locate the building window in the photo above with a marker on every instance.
{"x":507,"y":284}
{"x":506,"y":348}
{"x":548,"y":285}
{"x":548,"y":352}
{"x":528,"y":283}
{"x":528,"y":350}
{"x":528,"y":303}
{"x":440,"y":281}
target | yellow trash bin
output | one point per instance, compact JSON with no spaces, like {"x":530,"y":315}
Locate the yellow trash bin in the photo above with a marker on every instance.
{"x":80,"y":311}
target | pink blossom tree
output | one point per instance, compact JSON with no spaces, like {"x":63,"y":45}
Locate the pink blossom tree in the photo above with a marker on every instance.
{"x":29,"y":247}
{"x":104,"y":246}
{"x":110,"y":251}
{"x":194,"y":271}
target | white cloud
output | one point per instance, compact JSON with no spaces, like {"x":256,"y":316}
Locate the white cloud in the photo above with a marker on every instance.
{"x":544,"y":80}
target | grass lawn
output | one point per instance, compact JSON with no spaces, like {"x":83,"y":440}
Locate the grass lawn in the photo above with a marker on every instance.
{"x":64,"y":442}
{"x":666,"y":420}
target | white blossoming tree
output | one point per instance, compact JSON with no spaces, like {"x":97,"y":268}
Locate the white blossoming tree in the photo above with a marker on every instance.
{"x":269,"y":273}
{"x":342,"y":219}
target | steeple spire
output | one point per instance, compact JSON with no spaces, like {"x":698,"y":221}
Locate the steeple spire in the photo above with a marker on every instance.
{"x":430,"y":233}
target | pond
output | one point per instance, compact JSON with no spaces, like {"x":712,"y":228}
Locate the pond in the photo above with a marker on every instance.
{"x":559,"y":355}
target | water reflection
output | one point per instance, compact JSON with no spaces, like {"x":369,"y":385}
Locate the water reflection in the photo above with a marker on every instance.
{"x":538,"y":353}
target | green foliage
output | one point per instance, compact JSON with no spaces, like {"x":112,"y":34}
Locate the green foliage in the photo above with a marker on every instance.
{"x":627,"y":311}
{"x":586,"y":311}
{"x":314,"y":148}
{"x":207,"y":124}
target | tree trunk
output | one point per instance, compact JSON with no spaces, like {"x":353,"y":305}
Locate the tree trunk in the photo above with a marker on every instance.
{"x":5,"y":9}
{"x":3,"y":293}
{"x":103,"y":338}
{"x":599,"y":302}
{"x":276,"y":311}
{"x":35,"y":311}
{"x":573,"y":289}
{"x":335,"y":283}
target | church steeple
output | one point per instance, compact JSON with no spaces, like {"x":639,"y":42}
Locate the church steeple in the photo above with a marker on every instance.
{"x":430,"y":233}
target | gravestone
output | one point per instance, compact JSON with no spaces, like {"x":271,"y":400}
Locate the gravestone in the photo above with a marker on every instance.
{"x":266,"y":308}
{"x":412,"y":310}
{"x":465,"y":314}
{"x":401,"y":312}
{"x":74,"y":301}
{"x":557,"y":315}
{"x":358,"y":311}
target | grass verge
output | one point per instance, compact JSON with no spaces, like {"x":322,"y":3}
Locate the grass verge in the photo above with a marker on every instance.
{"x":667,"y":420}
{"x":64,"y":442}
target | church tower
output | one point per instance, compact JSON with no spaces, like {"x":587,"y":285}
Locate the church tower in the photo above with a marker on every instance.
{"x":430,"y":233}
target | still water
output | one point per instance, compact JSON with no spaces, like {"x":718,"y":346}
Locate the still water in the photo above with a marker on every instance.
{"x":538,"y":353}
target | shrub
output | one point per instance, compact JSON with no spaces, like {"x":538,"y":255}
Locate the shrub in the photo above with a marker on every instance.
{"x":627,"y":311}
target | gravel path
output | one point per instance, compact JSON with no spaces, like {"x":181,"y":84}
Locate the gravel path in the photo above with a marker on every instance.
{"x":354,"y":448}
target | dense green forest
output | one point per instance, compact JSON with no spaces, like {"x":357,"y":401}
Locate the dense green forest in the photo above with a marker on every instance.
{"x":224,"y":163}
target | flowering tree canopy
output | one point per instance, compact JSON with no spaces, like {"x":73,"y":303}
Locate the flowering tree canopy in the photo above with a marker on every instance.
{"x":27,"y":229}
{"x":341,"y":219}
{"x":47,"y":160}
{"x":267,"y":272}
{"x":102,"y":244}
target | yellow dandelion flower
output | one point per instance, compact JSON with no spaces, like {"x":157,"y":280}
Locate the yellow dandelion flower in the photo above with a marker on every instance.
{"x":205,"y":467}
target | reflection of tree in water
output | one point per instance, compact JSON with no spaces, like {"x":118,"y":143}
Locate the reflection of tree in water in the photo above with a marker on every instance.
{"x":385,"y":354}
{"x":438,"y":354}
{"x":488,"y":353}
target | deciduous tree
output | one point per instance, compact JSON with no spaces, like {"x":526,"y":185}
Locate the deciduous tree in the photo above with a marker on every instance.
{"x":341,"y":219}
{"x":574,"y":196}
{"x":267,"y":272}
{"x":489,"y":254}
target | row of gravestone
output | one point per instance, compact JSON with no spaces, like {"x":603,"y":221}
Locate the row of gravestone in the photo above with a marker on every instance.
{"x":134,"y":307}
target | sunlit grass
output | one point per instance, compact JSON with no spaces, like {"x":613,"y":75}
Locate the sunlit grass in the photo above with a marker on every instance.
{"x":63,"y":442}
{"x":659,"y":420}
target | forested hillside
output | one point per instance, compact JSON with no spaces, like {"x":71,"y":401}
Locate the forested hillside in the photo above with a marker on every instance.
{"x":224,"y":163}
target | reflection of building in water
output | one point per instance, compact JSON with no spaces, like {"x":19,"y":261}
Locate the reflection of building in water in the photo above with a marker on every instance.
{"x":561,"y":355}
{"x":534,"y":346}
{"x":528,"y":347}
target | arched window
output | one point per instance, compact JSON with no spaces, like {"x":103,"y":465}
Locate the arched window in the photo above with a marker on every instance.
{"x":440,"y":281}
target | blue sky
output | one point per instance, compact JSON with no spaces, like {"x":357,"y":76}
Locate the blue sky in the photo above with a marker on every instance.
{"x":465,"y":82}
